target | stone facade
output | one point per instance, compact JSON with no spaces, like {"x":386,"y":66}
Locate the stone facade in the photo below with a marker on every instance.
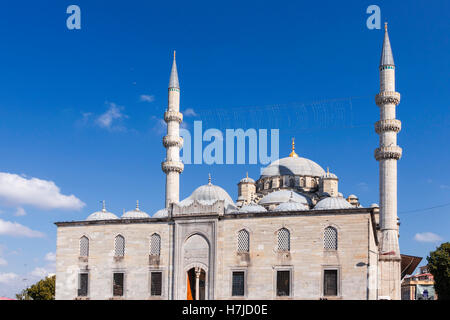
{"x":209,"y":240}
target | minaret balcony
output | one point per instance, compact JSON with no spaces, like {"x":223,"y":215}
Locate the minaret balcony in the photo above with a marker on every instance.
{"x":173,"y":116}
{"x":387,"y":97}
{"x":389,"y":152}
{"x":172,"y":166}
{"x":172,"y":141}
{"x":388,"y":125}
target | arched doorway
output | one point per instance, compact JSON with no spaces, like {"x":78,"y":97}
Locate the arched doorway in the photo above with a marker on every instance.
{"x":196,"y":284}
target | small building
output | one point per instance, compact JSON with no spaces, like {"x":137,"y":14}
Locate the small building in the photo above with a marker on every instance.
{"x":419,"y":286}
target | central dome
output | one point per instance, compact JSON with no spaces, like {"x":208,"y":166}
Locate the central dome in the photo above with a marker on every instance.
{"x":290,"y":166}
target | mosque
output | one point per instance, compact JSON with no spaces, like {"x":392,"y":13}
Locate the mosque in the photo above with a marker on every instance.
{"x":289,"y":235}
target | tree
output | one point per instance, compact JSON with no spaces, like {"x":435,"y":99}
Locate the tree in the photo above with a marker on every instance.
{"x":42,"y":290}
{"x":439,"y":266}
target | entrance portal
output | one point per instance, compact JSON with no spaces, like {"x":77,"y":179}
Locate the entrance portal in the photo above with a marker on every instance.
{"x":196,"y":278}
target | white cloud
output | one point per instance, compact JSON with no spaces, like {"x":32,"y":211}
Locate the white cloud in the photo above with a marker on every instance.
{"x":189,"y":112}
{"x":39,"y":272}
{"x":106,"y":119}
{"x":20,"y":212}
{"x":3,"y":262}
{"x":18,"y":190}
{"x":147,"y":98}
{"x":427,"y":237}
{"x":17,"y":230}
{"x":8,"y":277}
{"x":50,"y":256}
{"x":160,"y":126}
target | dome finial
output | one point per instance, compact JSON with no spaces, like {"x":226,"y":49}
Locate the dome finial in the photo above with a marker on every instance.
{"x":246,"y":174}
{"x":209,"y":178}
{"x":103,"y":206}
{"x":137,"y":205}
{"x":385,"y":26}
{"x":328,"y":170}
{"x":293,"y":154}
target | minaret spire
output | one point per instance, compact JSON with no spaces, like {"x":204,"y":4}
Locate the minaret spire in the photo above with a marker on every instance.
{"x":387,"y":59}
{"x":387,"y":154}
{"x":172,"y":167}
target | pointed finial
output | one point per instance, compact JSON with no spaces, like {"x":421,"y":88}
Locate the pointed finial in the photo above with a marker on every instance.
{"x":246,"y":174}
{"x":328,"y":170}
{"x":293,"y":154}
{"x":174,"y":54}
{"x":209,"y":178}
{"x":385,"y":26}
{"x":137,"y":205}
{"x":103,"y":206}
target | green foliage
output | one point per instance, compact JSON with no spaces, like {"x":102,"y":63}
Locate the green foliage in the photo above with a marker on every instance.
{"x":42,"y":290}
{"x":439,"y":266}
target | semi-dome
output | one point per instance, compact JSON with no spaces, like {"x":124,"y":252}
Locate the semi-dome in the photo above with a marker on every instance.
{"x":252,"y":207}
{"x":293,"y":166}
{"x":162,"y":213}
{"x":101,"y":215}
{"x":135,"y":214}
{"x":291,"y":206}
{"x":333,"y":203}
{"x":208,"y":194}
{"x":281,"y":196}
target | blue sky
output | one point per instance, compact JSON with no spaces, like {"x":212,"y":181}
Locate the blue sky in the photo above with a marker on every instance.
{"x":80,"y":110}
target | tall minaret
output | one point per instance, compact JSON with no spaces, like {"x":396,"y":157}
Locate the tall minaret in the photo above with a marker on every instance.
{"x":387,"y":154}
{"x":172,"y":166}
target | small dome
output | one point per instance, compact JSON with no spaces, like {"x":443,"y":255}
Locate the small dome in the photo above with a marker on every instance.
{"x":352,"y":196}
{"x":135,"y":214}
{"x":281,"y":196}
{"x":162,"y":213}
{"x":291,"y":206}
{"x":293,"y":166}
{"x":247,"y":180}
{"x":101,"y":215}
{"x":208,"y":194}
{"x":374,"y":205}
{"x":332,"y":203}
{"x":252,"y":207}
{"x":329,"y":175}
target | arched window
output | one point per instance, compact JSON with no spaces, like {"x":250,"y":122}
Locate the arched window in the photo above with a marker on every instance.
{"x":84,"y":246}
{"x":330,"y":238}
{"x":284,"y":240}
{"x":243,"y":241}
{"x":119,"y":246}
{"x":155,"y":244}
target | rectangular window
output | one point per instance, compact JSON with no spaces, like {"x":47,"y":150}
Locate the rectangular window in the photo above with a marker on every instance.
{"x":283,"y":283}
{"x":83,"y":285}
{"x":330,"y":283}
{"x":156,"y":284}
{"x":118,"y":284}
{"x":238,"y":285}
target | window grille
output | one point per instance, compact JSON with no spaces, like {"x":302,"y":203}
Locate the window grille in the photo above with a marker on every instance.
{"x":283,"y":283}
{"x":83,"y":285}
{"x":156,"y":284}
{"x":330,"y":238}
{"x":243,"y":241}
{"x":155,"y":245}
{"x":84,"y":246}
{"x":118,"y":284}
{"x":330,"y":283}
{"x":238,"y":285}
{"x":284,"y":241}
{"x":119,"y":246}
